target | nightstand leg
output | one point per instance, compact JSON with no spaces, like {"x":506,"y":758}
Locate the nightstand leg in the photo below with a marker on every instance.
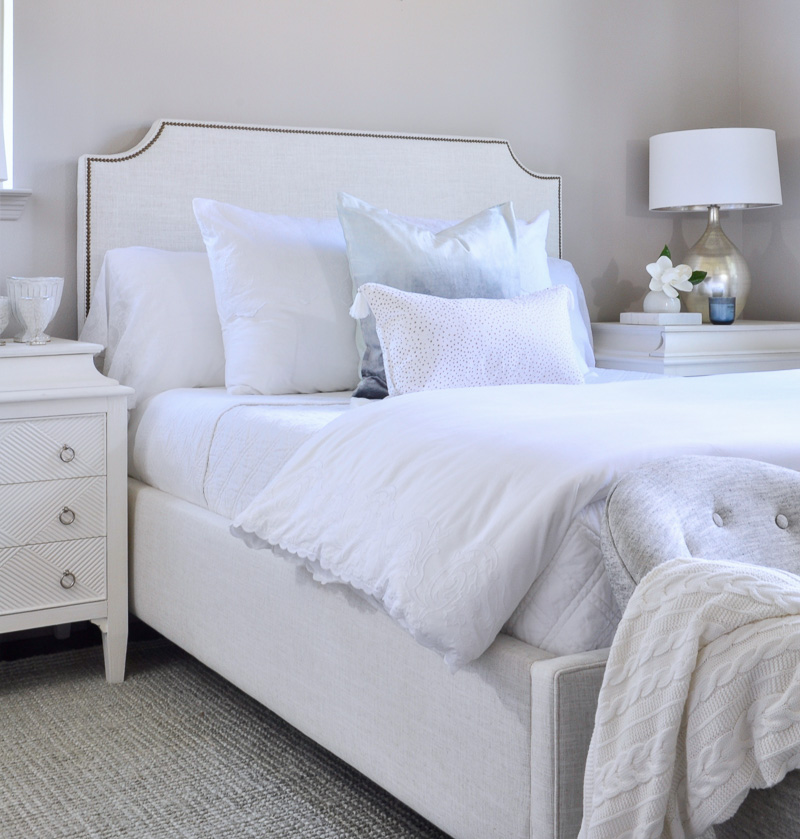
{"x":115,"y":644}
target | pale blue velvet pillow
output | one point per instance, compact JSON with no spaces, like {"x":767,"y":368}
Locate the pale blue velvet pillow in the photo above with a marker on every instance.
{"x":475,"y":258}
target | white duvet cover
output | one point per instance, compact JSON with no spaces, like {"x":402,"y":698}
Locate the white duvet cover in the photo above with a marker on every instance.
{"x":219,"y":451}
{"x":444,"y":507}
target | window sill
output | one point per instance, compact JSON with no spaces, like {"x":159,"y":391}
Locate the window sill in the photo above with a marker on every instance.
{"x":12,"y":203}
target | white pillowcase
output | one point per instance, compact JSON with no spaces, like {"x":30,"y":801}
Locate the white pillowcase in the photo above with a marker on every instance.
{"x":431,"y":343}
{"x":534,"y":265}
{"x":474,"y":258}
{"x":154,"y":312}
{"x":563,"y":273}
{"x":283,"y":292}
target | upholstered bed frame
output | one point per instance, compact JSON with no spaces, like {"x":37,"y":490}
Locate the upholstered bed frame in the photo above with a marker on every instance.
{"x":494,"y":750}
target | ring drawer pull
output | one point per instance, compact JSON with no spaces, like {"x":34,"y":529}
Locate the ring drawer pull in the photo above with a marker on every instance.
{"x":66,"y":516}
{"x":67,"y":453}
{"x":67,"y":579}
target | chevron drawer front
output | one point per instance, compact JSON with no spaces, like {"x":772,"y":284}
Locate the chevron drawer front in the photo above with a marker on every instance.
{"x":52,"y":448}
{"x":52,"y":511}
{"x":63,"y":494}
{"x":55,"y":574}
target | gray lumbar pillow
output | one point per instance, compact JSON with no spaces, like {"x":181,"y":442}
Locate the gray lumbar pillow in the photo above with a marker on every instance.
{"x":723,"y":508}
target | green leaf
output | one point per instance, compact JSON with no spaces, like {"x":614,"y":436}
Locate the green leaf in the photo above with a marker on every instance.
{"x":666,"y":252}
{"x":698,"y":277}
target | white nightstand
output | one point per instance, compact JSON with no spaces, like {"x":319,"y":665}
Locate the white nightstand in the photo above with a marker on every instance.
{"x":698,"y":350}
{"x":63,"y":504}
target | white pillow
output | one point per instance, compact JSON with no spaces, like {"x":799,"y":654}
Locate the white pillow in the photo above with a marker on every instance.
{"x":430,"y":343}
{"x":476,"y":258}
{"x":283,"y":291}
{"x":154,"y":312}
{"x":534,"y":269}
{"x":563,"y":273}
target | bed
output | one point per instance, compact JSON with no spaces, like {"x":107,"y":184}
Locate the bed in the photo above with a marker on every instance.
{"x":489,"y":741}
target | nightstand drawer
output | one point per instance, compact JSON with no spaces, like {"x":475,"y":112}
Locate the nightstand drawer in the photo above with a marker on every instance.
{"x":63,"y":511}
{"x":52,"y":511}
{"x":52,"y":448}
{"x":56,"y":574}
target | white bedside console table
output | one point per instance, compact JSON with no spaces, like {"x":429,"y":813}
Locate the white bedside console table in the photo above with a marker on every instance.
{"x":63,"y":505}
{"x":698,"y":350}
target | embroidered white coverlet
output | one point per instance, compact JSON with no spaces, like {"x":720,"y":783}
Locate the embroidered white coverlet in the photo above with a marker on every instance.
{"x":444,"y":506}
{"x":700,"y":701}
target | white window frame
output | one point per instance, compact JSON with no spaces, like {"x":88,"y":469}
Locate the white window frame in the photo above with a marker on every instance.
{"x":7,"y":93}
{"x":12,"y":201}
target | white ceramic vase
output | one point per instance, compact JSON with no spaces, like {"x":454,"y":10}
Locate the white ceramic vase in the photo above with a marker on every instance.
{"x":656,"y":302}
{"x":34,"y":301}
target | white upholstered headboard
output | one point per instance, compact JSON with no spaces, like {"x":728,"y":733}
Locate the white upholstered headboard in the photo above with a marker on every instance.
{"x":144,"y":196}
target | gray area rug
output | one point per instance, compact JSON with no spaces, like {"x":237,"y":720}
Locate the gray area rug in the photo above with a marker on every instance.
{"x":174,"y":751}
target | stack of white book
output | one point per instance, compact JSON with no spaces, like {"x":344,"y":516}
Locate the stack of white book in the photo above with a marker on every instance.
{"x":661,"y":318}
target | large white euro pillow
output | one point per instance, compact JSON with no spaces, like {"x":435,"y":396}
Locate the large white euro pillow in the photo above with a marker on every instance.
{"x":432,"y":343}
{"x":475,"y":258}
{"x":155,"y":314}
{"x":283,"y":292}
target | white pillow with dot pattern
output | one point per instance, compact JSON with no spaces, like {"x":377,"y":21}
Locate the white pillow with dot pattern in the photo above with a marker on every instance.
{"x":432,"y":343}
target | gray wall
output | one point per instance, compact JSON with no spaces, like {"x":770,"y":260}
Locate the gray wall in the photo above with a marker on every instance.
{"x":576,"y":86}
{"x":770,"y":94}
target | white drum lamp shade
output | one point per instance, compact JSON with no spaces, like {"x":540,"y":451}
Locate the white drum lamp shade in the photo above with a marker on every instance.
{"x":730,"y":168}
{"x":715,"y":169}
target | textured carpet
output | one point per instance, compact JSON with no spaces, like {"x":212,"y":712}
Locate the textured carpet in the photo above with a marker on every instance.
{"x":174,"y":751}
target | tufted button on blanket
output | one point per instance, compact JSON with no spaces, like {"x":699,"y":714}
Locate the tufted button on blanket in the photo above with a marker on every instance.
{"x":781,"y":521}
{"x":717,"y":519}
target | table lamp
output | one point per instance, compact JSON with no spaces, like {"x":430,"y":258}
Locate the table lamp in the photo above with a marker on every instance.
{"x":715,"y":169}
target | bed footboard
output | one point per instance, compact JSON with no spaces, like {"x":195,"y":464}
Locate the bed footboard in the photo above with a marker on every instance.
{"x":564,"y":692}
{"x":473,"y":751}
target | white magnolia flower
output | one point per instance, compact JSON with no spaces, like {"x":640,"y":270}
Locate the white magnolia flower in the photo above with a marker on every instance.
{"x":668,"y":278}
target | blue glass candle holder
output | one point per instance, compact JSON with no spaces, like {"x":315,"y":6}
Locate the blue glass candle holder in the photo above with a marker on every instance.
{"x":722,"y":310}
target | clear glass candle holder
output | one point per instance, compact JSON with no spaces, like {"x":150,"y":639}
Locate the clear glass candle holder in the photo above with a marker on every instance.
{"x":34,"y":301}
{"x":722,"y":310}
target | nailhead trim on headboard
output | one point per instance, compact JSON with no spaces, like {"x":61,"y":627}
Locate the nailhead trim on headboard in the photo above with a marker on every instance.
{"x":308,"y":131}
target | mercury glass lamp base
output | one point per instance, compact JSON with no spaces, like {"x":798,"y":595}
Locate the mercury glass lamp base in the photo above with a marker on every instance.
{"x":726,"y":269}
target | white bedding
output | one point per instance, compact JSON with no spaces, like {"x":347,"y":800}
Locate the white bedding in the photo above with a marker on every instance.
{"x":444,"y":507}
{"x":219,"y":451}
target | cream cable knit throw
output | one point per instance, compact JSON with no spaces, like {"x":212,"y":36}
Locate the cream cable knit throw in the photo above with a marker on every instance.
{"x":700,"y":702}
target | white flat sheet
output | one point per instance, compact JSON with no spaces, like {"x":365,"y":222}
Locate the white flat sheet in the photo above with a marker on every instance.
{"x":220,"y":451}
{"x":445,"y":507}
